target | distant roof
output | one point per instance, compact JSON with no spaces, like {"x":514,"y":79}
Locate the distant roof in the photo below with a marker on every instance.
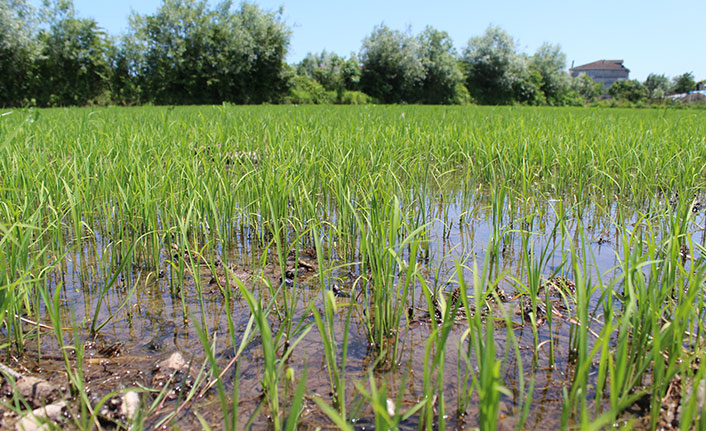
{"x":602,"y":65}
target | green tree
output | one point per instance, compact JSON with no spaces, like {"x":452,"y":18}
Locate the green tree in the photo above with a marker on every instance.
{"x":630,"y":90}
{"x":684,"y":83}
{"x":18,"y":51}
{"x":256,"y":47}
{"x":176,"y":60}
{"x":442,"y":74}
{"x":333,"y":73}
{"x":351,"y":73}
{"x":527,"y":85}
{"x":124,"y":84}
{"x":74,"y":67}
{"x":492,"y":66}
{"x":657,"y":85}
{"x":325,"y":68}
{"x":392,"y":70}
{"x":189,"y":53}
{"x":586,"y":87}
{"x":550,"y":62}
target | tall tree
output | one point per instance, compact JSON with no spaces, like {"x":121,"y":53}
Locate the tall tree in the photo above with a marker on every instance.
{"x":258,"y":42}
{"x":125,"y":86}
{"x":332,"y":72}
{"x":18,"y":51}
{"x":192,"y":54}
{"x":657,"y":85}
{"x":351,"y":73}
{"x":392,"y":67}
{"x":684,"y":83}
{"x":492,"y":65}
{"x":527,"y":83}
{"x":74,"y":66}
{"x":550,"y":62}
{"x":175,"y":52}
{"x":442,"y":74}
{"x":325,"y":68}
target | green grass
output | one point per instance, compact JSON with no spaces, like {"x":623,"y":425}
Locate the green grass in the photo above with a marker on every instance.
{"x":95,"y":204}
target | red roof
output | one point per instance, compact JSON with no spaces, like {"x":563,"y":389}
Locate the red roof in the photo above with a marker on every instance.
{"x":602,"y":65}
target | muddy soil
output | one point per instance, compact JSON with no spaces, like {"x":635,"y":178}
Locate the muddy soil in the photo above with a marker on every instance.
{"x":149,"y":357}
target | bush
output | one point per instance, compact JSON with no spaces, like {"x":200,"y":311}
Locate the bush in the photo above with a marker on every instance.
{"x":589,"y":90}
{"x":573,"y":98}
{"x":632,"y":91}
{"x":461,"y":95}
{"x":305,"y":91}
{"x":354,"y":98}
{"x":526,"y":88}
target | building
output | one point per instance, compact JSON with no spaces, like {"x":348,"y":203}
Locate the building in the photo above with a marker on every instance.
{"x":604,"y":71}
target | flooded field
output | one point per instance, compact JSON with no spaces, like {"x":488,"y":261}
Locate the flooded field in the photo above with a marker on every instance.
{"x":352,"y":268}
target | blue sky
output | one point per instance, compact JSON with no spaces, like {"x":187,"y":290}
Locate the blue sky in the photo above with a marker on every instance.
{"x":651,"y":36}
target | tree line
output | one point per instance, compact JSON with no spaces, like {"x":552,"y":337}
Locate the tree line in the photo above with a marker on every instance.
{"x":188,"y":52}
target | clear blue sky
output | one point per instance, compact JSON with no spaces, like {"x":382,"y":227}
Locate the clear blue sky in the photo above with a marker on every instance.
{"x":651,"y":36}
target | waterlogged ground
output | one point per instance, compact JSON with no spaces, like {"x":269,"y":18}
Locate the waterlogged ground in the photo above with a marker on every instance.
{"x":163,"y":294}
{"x":156,"y":323}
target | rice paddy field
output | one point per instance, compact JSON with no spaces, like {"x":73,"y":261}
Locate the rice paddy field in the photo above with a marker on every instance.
{"x":284,"y":267}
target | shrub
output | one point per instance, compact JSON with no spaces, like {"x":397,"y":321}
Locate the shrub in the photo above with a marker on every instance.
{"x":355,"y":98}
{"x":632,"y":91}
{"x":306,"y":91}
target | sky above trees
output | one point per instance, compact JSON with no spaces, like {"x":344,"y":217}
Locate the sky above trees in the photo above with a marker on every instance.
{"x":651,"y":36}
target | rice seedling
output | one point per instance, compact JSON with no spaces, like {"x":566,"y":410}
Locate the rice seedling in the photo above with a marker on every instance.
{"x":481,"y":346}
{"x":443,"y":315}
{"x":382,"y":248}
{"x":164,"y":229}
{"x":387,"y":411}
{"x":326,"y":326}
{"x":274,"y":367}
